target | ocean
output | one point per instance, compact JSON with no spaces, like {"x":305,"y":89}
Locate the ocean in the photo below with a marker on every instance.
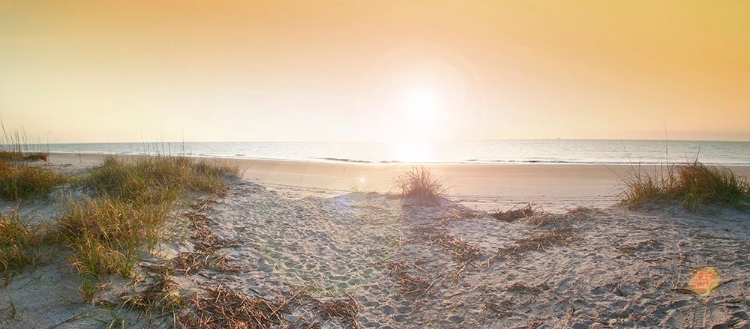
{"x":500,"y":151}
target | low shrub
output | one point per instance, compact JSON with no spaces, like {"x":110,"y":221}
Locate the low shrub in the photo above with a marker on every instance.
{"x":419,"y":183}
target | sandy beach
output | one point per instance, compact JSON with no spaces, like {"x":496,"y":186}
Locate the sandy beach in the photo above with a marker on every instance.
{"x":311,"y":235}
{"x":478,"y":186}
{"x":374,"y":164}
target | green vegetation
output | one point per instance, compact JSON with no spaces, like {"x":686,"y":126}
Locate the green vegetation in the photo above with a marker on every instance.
{"x":692,"y":184}
{"x":21,"y":156}
{"x":158,"y":179}
{"x":19,"y":244}
{"x":19,"y":180}
{"x":127,"y":208}
{"x":106,"y":234}
{"x":124,"y":213}
{"x":420,"y":184}
{"x":130,"y":205}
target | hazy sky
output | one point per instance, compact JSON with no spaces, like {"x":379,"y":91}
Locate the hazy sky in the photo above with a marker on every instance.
{"x":220,"y":70}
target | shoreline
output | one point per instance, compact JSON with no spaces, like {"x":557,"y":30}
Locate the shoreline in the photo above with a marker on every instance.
{"x":488,"y":187}
{"x":470,"y":162}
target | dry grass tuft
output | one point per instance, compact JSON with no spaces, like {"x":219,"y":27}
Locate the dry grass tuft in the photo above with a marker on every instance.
{"x":205,"y":242}
{"x":215,"y":169}
{"x":203,"y":205}
{"x":513,"y":214}
{"x":631,"y":249}
{"x":421,"y":185}
{"x":539,"y":242}
{"x":157,"y":179}
{"x":224,"y":308}
{"x":19,"y":245}
{"x":107,"y":233}
{"x":523,"y":288}
{"x":17,"y":155}
{"x":692,"y":184}
{"x":346,"y":309}
{"x":162,"y":296}
{"x":205,"y":239}
{"x":8,"y":156}
{"x":459,"y":249}
{"x":578,"y":213}
{"x":500,"y":309}
{"x":19,"y":180}
{"x":187,"y":263}
{"x":411,"y":286}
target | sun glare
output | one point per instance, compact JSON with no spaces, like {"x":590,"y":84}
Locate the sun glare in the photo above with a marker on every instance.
{"x":411,"y":151}
{"x":422,"y":104}
{"x":408,"y":98}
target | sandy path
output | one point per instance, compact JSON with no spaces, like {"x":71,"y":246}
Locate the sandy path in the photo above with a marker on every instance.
{"x":409,"y":265}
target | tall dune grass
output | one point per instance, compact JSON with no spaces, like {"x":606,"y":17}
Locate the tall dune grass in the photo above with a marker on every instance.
{"x":693,"y":184}
{"x":19,"y":244}
{"x":106,"y":233}
{"x":157,"y":179}
{"x":130,"y":205}
{"x":23,"y":156}
{"x":19,"y":180}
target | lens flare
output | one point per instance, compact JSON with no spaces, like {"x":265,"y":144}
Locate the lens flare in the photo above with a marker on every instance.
{"x":704,"y":281}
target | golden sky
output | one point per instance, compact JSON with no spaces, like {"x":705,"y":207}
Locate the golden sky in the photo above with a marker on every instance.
{"x":221,"y":70}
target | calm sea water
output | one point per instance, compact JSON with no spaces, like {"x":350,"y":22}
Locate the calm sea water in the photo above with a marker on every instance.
{"x":504,"y":151}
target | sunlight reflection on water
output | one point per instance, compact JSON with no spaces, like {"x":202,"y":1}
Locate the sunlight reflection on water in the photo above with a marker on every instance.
{"x":411,"y":151}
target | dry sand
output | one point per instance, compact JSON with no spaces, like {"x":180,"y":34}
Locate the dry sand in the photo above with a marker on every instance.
{"x":293,"y":230}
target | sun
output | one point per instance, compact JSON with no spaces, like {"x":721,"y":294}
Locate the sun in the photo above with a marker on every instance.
{"x":422,"y":105}
{"x":421,"y":111}
{"x":415,"y":99}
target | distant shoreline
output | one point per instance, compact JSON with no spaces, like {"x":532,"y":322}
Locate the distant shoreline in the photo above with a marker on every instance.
{"x":545,"y":152}
{"x":357,"y":161}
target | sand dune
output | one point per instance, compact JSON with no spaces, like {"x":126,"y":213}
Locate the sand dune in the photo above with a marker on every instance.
{"x":389,"y":262}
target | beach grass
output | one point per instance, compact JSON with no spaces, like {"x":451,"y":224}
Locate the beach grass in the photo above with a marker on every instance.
{"x":19,"y":244}
{"x":419,"y":183}
{"x":106,"y":234}
{"x":21,"y":156}
{"x":693,"y":184}
{"x":19,"y":180}
{"x":125,"y":215}
{"x":157,"y":179}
